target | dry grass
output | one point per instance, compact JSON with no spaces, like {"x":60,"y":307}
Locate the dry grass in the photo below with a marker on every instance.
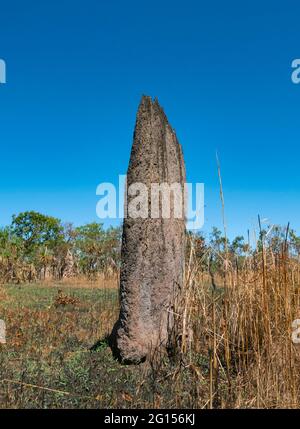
{"x":244,"y":328}
{"x":101,"y":281}
{"x":234,"y":341}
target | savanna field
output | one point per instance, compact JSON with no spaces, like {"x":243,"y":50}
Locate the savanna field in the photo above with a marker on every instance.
{"x":233,"y":345}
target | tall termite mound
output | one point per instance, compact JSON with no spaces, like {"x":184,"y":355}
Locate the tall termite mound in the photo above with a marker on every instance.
{"x":152,"y":256}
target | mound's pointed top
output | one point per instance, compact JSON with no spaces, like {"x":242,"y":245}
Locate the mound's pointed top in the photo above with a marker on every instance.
{"x":148,"y":105}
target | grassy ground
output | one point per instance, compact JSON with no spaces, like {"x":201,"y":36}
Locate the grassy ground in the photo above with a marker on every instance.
{"x":46,"y":361}
{"x":235,"y":346}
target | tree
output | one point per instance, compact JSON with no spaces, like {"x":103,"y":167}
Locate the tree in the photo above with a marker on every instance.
{"x":294,"y":242}
{"x":36,"y":229}
{"x":97,"y":249}
{"x":238,"y":246}
{"x":217,"y":241}
{"x":12,"y":267}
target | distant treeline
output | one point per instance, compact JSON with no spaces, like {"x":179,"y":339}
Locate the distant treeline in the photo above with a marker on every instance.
{"x":36,"y":247}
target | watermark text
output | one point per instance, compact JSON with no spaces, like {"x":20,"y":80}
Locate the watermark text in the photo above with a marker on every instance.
{"x":296,"y":72}
{"x":154,"y":201}
{"x":2,"y":71}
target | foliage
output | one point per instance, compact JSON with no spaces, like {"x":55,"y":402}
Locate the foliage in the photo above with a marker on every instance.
{"x":36,"y":229}
{"x":37,"y":247}
{"x":233,"y":323}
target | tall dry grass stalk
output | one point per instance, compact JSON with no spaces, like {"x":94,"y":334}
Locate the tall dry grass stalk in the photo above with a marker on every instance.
{"x":241,"y":331}
{"x":235,"y":325}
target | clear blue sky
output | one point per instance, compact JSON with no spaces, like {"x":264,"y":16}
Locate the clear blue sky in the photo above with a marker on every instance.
{"x":222,"y":70}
